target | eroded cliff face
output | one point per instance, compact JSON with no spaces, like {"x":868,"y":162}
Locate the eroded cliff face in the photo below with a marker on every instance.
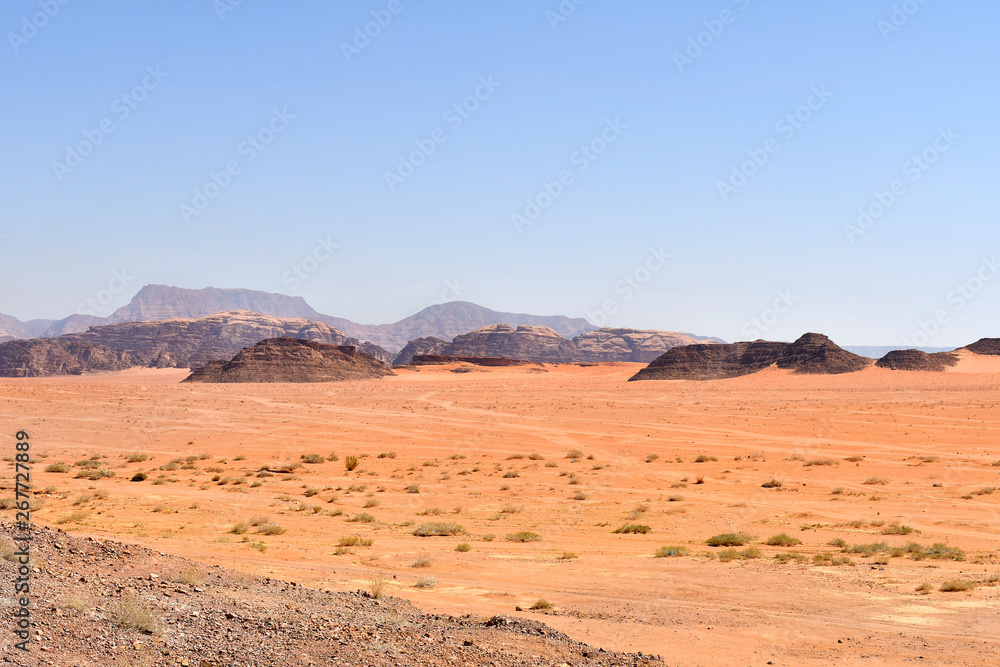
{"x":48,"y":356}
{"x":293,"y":360}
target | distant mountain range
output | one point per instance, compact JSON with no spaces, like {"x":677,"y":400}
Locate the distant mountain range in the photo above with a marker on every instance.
{"x":161,"y":302}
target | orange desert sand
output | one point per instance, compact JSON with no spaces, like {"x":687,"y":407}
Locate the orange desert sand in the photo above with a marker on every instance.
{"x":870,"y":457}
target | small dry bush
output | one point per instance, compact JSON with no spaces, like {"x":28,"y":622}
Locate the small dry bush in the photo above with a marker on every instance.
{"x":57,"y":467}
{"x":772,"y":484}
{"x":351,"y":462}
{"x":633,"y":528}
{"x":426,"y":582}
{"x":313,"y":458}
{"x":730,"y":540}
{"x":270,"y":529}
{"x":524,"y":536}
{"x":541,"y":604}
{"x":783,"y":540}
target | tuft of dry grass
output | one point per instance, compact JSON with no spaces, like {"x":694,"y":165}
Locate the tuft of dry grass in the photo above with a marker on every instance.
{"x":957,"y":585}
{"x":377,"y":585}
{"x":189,"y":575}
{"x":350,"y":463}
{"x":438,"y":529}
{"x":541,"y":604}
{"x":422,"y":560}
{"x":131,"y":613}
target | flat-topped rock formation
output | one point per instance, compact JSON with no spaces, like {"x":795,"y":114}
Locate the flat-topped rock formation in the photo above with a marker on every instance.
{"x":534,"y":343}
{"x":292,"y":360}
{"x":47,"y":356}
{"x":812,"y":353}
{"x":193,"y":343}
{"x":915,"y":360}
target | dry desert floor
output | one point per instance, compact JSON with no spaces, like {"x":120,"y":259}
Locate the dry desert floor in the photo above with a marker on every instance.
{"x":567,"y":484}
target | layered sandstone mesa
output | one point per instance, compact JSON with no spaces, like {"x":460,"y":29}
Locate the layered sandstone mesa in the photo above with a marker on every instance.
{"x":985,"y":346}
{"x":293,"y":360}
{"x":193,"y":343}
{"x":812,"y":353}
{"x":915,"y":360}
{"x":532,"y":343}
{"x":48,"y":356}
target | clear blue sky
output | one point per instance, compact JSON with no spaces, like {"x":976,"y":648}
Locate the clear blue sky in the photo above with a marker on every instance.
{"x":446,"y":229}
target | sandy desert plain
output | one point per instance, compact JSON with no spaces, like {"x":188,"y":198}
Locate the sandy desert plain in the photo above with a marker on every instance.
{"x":571,"y":454}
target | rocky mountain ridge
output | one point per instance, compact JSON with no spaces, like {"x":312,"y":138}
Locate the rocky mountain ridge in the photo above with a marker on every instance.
{"x":533,"y":343}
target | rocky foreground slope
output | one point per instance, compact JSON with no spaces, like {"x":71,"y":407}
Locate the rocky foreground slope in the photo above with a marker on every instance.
{"x":292,"y":360}
{"x":530,"y":343}
{"x":48,"y":356}
{"x":811,"y":353}
{"x":98,"y":603}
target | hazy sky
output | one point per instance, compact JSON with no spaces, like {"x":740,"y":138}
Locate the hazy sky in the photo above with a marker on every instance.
{"x":527,"y":156}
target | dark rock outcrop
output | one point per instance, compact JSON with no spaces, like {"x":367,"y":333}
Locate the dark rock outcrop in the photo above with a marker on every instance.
{"x":419,"y":346}
{"x":986,"y":346}
{"x":293,"y":360}
{"x":530,"y":343}
{"x":45,"y":357}
{"x":915,"y":360}
{"x":811,"y":353}
{"x":193,"y":343}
